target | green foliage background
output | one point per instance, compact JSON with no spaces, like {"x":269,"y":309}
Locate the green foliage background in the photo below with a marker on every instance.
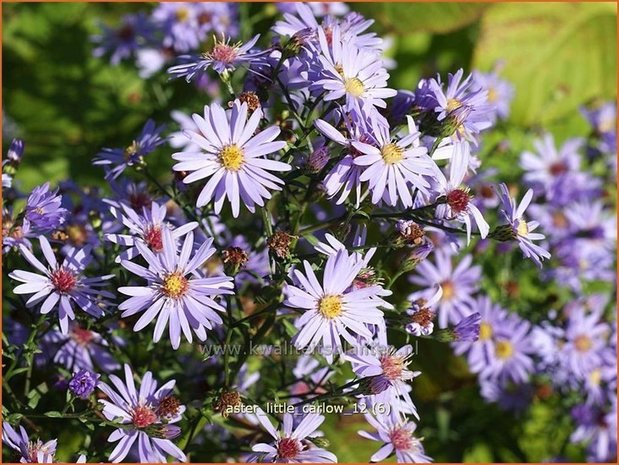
{"x":67,"y":104}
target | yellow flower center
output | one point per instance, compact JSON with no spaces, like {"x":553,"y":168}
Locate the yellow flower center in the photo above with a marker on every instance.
{"x":448,"y":290}
{"x":523,"y":228}
{"x":231,"y":157}
{"x":504,"y":349}
{"x":131,"y":150}
{"x":492,"y":95}
{"x":582,"y":343}
{"x":330,"y":306}
{"x":391,"y":153}
{"x":182,"y":14}
{"x":595,"y":377}
{"x":453,"y":104}
{"x":485,"y":331}
{"x":354,"y":87}
{"x":175,"y":285}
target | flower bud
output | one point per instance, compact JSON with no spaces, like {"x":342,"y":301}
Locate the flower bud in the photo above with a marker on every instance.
{"x":504,"y":233}
{"x":318,"y":159}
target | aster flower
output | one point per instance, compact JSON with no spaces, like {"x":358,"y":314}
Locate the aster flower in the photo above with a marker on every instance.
{"x":223,"y":57}
{"x":458,"y":204}
{"x":597,"y":428}
{"x":116,"y":160}
{"x":334,"y":310}
{"x":519,"y":229}
{"x":80,"y":349}
{"x":461,"y":106}
{"x":422,"y":316}
{"x":468,"y":328}
{"x":232,"y":159}
{"x":291,"y":444}
{"x":62,"y":284}
{"x":397,"y":437}
{"x":388,"y":373}
{"x":500,"y":92}
{"x":122,"y":42}
{"x":147,"y":415}
{"x":146,"y":228}
{"x":174,"y":292}
{"x":30,"y":451}
{"x":458,"y":283}
{"x":83,"y":383}
{"x":43,"y":211}
{"x":353,"y":73}
{"x":393,"y":168}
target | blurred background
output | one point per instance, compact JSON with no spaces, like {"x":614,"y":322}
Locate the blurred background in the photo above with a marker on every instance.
{"x":67,"y":104}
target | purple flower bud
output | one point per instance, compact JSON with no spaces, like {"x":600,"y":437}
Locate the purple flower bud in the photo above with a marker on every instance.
{"x":83,"y":383}
{"x":16,"y":150}
{"x":468,"y":328}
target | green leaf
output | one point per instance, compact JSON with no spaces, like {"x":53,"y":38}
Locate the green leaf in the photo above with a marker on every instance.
{"x":53,"y":414}
{"x":405,"y":18}
{"x":558,"y":56}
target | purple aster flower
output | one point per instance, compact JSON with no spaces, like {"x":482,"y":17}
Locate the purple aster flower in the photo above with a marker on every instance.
{"x":500,"y":92}
{"x":335,"y":309}
{"x":421,"y":315}
{"x":519,"y":229}
{"x":291,"y":444}
{"x":14,"y":232}
{"x":116,"y":160}
{"x":356,"y":74}
{"x":147,"y":228}
{"x":397,"y":436}
{"x":223,"y":57}
{"x":83,"y":383}
{"x":122,"y":42}
{"x":598,"y":429}
{"x":179,"y":139}
{"x":458,"y":204}
{"x":80,"y":349}
{"x":513,"y":348}
{"x":174,"y":291}
{"x":463,"y":106}
{"x":509,"y":396}
{"x":458,"y":284}
{"x":393,"y":168}
{"x":43,"y":210}
{"x":548,"y":165}
{"x":62,"y":284}
{"x":147,"y":415}
{"x":232,"y":158}
{"x":603,"y":118}
{"x":30,"y":451}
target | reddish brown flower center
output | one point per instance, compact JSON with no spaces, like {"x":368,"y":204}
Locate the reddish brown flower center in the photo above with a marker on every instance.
{"x":582,"y":343}
{"x":153,"y":238}
{"x":401,"y":439}
{"x":125,"y":33}
{"x":139,"y":200}
{"x":392,"y":366}
{"x":63,"y":280}
{"x":224,"y":52}
{"x":168,"y":407}
{"x":82,"y":336}
{"x":423,"y":317}
{"x":143,"y":416}
{"x":458,"y":200}
{"x":288,"y":448}
{"x":557,"y":168}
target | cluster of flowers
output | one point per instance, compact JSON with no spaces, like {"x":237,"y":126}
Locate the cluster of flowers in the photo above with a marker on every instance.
{"x":345,"y":151}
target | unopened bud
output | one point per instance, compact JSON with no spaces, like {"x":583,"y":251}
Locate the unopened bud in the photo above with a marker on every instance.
{"x":504,"y":233}
{"x":318,"y":159}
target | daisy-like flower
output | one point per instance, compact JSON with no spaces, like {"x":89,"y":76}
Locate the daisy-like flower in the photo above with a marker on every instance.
{"x":62,"y":284}
{"x":43,"y":211}
{"x":397,"y":437}
{"x":232,"y":158}
{"x":223,"y":57}
{"x":147,"y":228}
{"x":462,"y":106}
{"x":116,"y":160}
{"x":291,"y":444}
{"x":122,"y":42}
{"x":422,"y":316}
{"x":458,"y":204}
{"x":30,"y":451}
{"x":500,"y":92}
{"x":147,"y":416}
{"x":335,"y":309}
{"x":457,"y":283}
{"x":519,"y":229}
{"x":388,"y":373}
{"x":175,"y":292}
{"x":354,"y":73}
{"x":394,"y":167}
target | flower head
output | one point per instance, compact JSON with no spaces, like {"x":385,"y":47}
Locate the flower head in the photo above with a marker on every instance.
{"x":146,"y":416}
{"x":62,"y":284}
{"x":174,"y":294}
{"x":83,"y":383}
{"x":30,"y":451}
{"x":231,"y":156}
{"x":43,"y":211}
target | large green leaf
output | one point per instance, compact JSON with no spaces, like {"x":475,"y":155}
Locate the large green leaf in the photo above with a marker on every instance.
{"x":406,"y":18}
{"x":557,"y":55}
